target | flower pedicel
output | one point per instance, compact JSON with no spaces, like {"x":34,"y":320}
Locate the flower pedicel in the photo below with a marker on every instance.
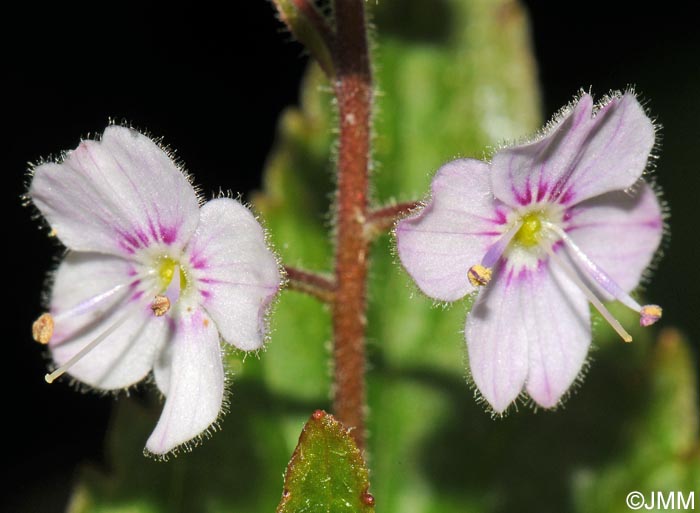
{"x":542,"y":230}
{"x":152,"y":281}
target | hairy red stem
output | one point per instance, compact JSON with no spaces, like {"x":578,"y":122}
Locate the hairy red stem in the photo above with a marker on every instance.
{"x":310,"y":283}
{"x":353,"y":90}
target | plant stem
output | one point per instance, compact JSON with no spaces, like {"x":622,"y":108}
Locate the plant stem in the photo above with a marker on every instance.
{"x":384,"y":218}
{"x":353,"y":90}
{"x":311,"y":28}
{"x":310,"y":283}
{"x":319,"y":22}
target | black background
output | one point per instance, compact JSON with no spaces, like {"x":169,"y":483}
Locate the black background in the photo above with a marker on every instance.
{"x":213,"y":83}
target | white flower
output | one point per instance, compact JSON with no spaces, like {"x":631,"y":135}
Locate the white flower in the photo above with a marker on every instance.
{"x":152,"y":281}
{"x":544,"y":228}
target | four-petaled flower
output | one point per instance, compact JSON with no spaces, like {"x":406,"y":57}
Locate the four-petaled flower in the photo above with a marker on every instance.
{"x":152,"y":281}
{"x":543,"y":228}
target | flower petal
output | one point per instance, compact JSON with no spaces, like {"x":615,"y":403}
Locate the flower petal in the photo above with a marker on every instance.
{"x":439,"y":245}
{"x":116,"y":195}
{"x":497,"y":334}
{"x":527,"y":328}
{"x":585,"y":154}
{"x":559,"y":334}
{"x":195,"y":388}
{"x":620,"y":232}
{"x":236,"y":274}
{"x":162,"y":368}
{"x":91,"y":294}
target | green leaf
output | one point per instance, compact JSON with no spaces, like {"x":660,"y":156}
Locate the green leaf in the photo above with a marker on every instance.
{"x":326,"y":473}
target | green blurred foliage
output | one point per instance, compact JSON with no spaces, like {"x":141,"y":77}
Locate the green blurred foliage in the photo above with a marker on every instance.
{"x":453,"y":77}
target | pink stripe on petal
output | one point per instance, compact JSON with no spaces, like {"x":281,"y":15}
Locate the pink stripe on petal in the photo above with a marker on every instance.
{"x":621,"y":232}
{"x":559,"y":335}
{"x":584,"y":154}
{"x":452,"y":232}
{"x":241,"y":275}
{"x":127,"y":355}
{"x":497,"y":341}
{"x":529,"y":329}
{"x":116,"y":195}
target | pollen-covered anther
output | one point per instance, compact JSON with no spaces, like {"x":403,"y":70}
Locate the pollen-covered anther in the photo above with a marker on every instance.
{"x":160,"y":305}
{"x":42,"y":329}
{"x":479,"y":275}
{"x":649,"y":314}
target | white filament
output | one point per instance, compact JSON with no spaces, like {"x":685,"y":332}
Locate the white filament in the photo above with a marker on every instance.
{"x":88,"y":304}
{"x":50,"y":378}
{"x":595,"y":272}
{"x":497,"y":248}
{"x":573,"y":276}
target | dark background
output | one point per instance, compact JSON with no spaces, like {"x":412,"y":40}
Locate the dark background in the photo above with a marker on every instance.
{"x":213,"y":85}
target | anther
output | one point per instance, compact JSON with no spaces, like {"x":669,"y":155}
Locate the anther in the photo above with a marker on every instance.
{"x":479,"y":275}
{"x":160,"y":305}
{"x":649,"y":314}
{"x":42,"y":329}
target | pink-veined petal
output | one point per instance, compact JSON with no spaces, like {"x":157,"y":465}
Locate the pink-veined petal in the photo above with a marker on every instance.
{"x":236,"y":273}
{"x":497,"y":332}
{"x":620,"y":232}
{"x":586,"y":153}
{"x":559,"y":333}
{"x":452,"y":233}
{"x":116,"y":195}
{"x":531,"y":328}
{"x":195,"y":384}
{"x":91,"y":294}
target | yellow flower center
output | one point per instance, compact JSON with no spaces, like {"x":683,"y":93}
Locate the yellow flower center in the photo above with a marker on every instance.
{"x":166,"y":271}
{"x":530,"y":232}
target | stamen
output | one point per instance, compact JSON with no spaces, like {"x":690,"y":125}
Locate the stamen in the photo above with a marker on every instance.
{"x":480,"y":274}
{"x":160,"y":305}
{"x":90,"y":303}
{"x":498,"y":247}
{"x":42,"y":329}
{"x":573,"y":276}
{"x":50,"y":378}
{"x":649,"y":314}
